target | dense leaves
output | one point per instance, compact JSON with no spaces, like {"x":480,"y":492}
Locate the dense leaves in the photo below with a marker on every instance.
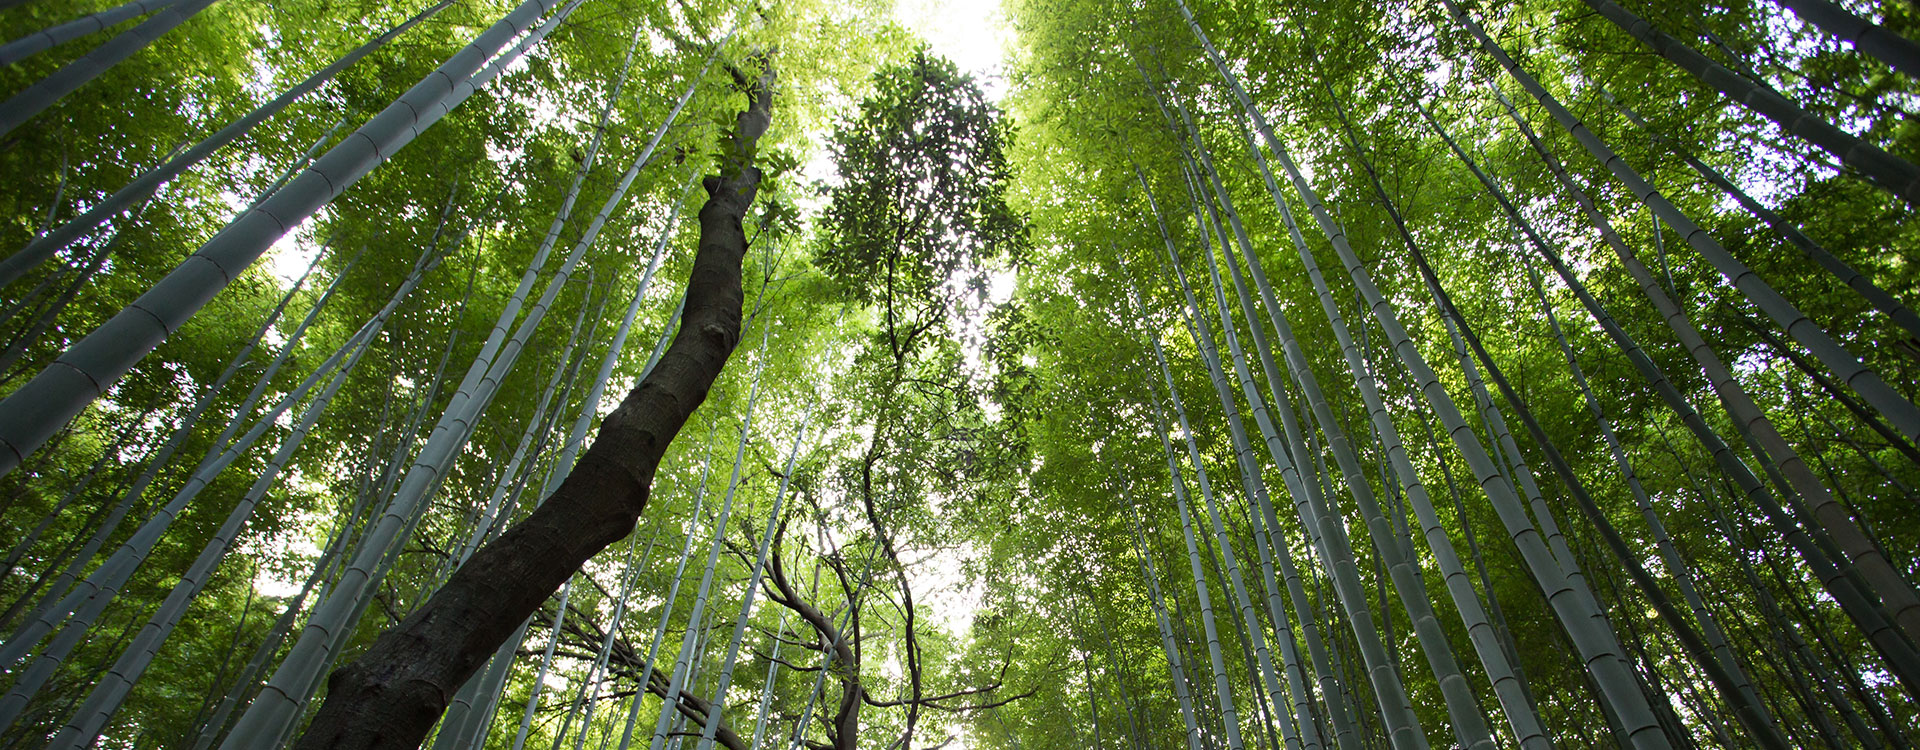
{"x":960,"y":320}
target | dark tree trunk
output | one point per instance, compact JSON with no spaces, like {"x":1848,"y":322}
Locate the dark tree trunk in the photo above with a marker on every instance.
{"x":391,"y":696}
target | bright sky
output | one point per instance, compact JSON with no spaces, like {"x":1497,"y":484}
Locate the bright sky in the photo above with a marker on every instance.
{"x":971,"y":33}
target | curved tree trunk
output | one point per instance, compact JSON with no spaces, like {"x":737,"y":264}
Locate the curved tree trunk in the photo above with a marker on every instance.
{"x":391,"y":696}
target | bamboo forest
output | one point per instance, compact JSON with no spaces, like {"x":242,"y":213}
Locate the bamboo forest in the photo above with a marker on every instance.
{"x":966,"y":374}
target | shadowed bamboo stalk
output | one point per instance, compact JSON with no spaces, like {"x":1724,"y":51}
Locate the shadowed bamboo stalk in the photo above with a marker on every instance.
{"x":1758,"y":722}
{"x":1901,"y":655}
{"x":1866,"y":36}
{"x":181,"y":428}
{"x":1306,"y":488}
{"x":1251,"y":482}
{"x":1575,"y":607}
{"x":46,"y":92}
{"x":1223,"y":689}
{"x":54,"y":36}
{"x":1169,"y":647}
{"x":1519,"y":711}
{"x":105,"y":582}
{"x":1745,"y":700}
{"x":1279,"y":455}
{"x":88,"y":596}
{"x":112,"y":689}
{"x":48,"y":243}
{"x":1892,"y":173}
{"x":1897,"y":408}
{"x":1899,"y":312}
{"x":1901,"y":600}
{"x":32,"y":414}
{"x":1267,"y":531}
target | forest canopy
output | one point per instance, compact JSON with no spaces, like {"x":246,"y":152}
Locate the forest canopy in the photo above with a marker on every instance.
{"x":1207,"y":374}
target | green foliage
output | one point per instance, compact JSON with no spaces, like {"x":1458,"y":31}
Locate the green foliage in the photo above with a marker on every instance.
{"x":985,"y":455}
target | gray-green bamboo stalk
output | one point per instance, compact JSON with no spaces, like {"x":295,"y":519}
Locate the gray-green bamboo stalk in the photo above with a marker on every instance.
{"x":1169,"y":647}
{"x":718,"y":703}
{"x":1894,"y":309}
{"x":1894,"y":174}
{"x":1866,"y":36}
{"x":1897,"y":408}
{"x":63,"y":600}
{"x":1902,"y":601}
{"x":1903,"y":660}
{"x":32,"y":414}
{"x":1598,"y":646}
{"x":48,"y":243}
{"x":1250,"y":479}
{"x":104,"y":700}
{"x":1759,"y":723}
{"x":54,"y":36}
{"x":682,"y":668}
{"x":1527,"y":727}
{"x":1676,"y":565}
{"x":46,"y":92}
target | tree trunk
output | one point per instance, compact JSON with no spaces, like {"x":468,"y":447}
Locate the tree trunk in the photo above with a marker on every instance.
{"x":391,"y":696}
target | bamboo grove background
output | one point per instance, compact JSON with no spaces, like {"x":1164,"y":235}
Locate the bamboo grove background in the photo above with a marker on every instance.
{"x":1404,"y":374}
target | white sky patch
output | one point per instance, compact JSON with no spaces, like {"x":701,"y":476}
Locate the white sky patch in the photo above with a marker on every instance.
{"x":290,"y":256}
{"x":971,"y":33}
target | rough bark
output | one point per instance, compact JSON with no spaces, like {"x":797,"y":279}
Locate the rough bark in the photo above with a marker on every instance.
{"x":391,"y":696}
